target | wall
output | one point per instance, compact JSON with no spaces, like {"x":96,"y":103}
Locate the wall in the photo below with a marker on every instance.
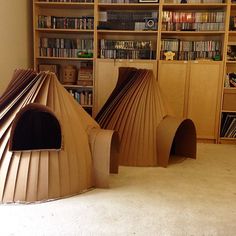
{"x":16,"y":44}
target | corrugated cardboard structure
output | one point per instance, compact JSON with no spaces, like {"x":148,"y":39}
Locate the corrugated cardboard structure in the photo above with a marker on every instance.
{"x":49,"y":146}
{"x":148,"y":136}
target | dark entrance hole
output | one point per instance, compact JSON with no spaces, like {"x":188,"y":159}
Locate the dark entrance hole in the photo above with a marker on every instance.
{"x":35,"y":129}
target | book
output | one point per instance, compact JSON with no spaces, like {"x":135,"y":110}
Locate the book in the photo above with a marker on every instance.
{"x":49,"y":67}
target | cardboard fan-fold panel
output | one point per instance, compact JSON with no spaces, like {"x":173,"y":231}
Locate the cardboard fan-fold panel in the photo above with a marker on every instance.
{"x":45,"y":142}
{"x":136,"y":109}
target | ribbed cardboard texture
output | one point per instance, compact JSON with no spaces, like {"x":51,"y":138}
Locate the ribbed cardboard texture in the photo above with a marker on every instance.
{"x":35,"y":109}
{"x":138,"y":112}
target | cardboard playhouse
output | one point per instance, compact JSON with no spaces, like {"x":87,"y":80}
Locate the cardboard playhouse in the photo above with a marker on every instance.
{"x":49,"y":146}
{"x":149,"y":136}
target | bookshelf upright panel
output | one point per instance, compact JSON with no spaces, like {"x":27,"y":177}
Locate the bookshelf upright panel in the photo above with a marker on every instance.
{"x":96,"y":38}
{"x":227,"y":130}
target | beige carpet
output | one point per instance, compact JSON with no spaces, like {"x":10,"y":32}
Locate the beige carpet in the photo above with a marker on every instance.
{"x":193,"y":197}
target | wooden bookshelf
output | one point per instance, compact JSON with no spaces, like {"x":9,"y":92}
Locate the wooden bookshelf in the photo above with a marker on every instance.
{"x":194,"y":88}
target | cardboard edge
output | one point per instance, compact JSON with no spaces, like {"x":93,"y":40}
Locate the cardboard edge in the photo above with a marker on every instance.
{"x":181,"y":132}
{"x":104,"y":148}
{"x":46,"y":200}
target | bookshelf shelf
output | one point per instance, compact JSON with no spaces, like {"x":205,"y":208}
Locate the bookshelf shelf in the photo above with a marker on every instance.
{"x":127,"y":31}
{"x":76,"y":86}
{"x":230,"y":90}
{"x":201,"y":33}
{"x":227,"y":111}
{"x":63,"y":5}
{"x":66,"y":31}
{"x":66,"y":58}
{"x":227,"y":140}
{"x":107,"y":60}
{"x":89,"y":106}
{"x":231,"y":43}
{"x":123,"y":6}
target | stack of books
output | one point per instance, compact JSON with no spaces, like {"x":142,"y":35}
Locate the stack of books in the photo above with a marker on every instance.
{"x":228,"y":125}
{"x":85,"y":76}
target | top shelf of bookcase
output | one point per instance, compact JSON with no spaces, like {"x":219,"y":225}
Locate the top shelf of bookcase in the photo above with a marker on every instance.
{"x":194,"y":6}
{"x":77,"y":5}
{"x":121,"y":6}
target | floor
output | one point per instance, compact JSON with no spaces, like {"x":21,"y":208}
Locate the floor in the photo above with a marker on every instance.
{"x":192,"y":197}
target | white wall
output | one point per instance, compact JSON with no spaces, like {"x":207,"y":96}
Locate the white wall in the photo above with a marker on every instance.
{"x":16,"y":46}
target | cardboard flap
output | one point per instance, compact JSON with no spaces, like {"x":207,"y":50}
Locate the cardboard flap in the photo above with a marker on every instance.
{"x":104,"y":145}
{"x":178,"y":135}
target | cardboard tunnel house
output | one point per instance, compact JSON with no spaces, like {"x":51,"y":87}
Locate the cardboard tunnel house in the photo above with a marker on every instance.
{"x":50,"y":147}
{"x":149,"y":136}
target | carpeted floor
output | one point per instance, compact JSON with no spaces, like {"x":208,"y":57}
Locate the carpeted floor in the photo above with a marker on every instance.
{"x":192,"y":197}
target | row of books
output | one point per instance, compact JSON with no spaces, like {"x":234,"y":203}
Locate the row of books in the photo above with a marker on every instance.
{"x":232,"y":23}
{"x":165,"y":1}
{"x":127,"y":54}
{"x":191,"y":50}
{"x":85,"y":76}
{"x":188,"y":56}
{"x":192,"y":26}
{"x":228,"y":125}
{"x":230,"y":80}
{"x":231,"y":52}
{"x":126,"y":49}
{"x":194,"y":1}
{"x":84,"y":97}
{"x":54,"y":22}
{"x":190,"y":46}
{"x":126,"y":16}
{"x":192,"y":17}
{"x":66,"y":1}
{"x":119,"y":1}
{"x":146,"y":25}
{"x":137,"y":1}
{"x":66,"y":43}
{"x":65,"y":52}
{"x":127,"y":20}
{"x":125,"y":44}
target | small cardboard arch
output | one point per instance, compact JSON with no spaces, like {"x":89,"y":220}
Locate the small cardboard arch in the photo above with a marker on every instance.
{"x":35,"y":127}
{"x":178,"y":135}
{"x":104,"y":145}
